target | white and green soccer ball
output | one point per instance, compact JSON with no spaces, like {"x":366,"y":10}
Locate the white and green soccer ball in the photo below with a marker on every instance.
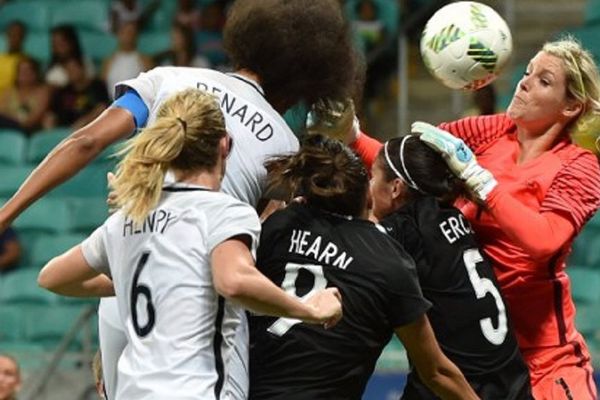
{"x":465,"y":45}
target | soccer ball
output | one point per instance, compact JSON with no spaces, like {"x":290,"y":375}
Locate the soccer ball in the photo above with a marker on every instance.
{"x":465,"y":45}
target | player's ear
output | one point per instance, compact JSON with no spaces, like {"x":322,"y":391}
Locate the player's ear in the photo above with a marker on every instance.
{"x":398,"y":188}
{"x":572,"y":108}
{"x":225,"y":146}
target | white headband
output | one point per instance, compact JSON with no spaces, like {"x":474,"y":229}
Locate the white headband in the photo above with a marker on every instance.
{"x":406,"y":178}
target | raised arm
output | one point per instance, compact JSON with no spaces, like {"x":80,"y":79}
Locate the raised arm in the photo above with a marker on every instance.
{"x":434,"y":368}
{"x":68,"y":158}
{"x":236,"y":277}
{"x":572,"y":198}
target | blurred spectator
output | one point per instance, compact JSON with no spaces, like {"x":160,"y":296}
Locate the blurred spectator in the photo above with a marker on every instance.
{"x":125,"y":11}
{"x":127,"y":62}
{"x":10,"y":377}
{"x":369,"y":27}
{"x":65,"y":45}
{"x":15,"y":36}
{"x":80,"y":102}
{"x":377,"y":44}
{"x":210,"y":37}
{"x":183,"y":50}
{"x":10,"y":254}
{"x":23,"y":106}
{"x":188,"y":14}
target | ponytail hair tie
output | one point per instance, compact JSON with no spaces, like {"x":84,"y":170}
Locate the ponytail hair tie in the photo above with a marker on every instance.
{"x":183,"y":124}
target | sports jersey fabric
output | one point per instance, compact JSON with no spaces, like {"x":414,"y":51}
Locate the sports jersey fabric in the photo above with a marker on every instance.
{"x":258,"y":132}
{"x":180,"y":332}
{"x":564,"y":182}
{"x":304,"y":249}
{"x":527,"y":230}
{"x":468,"y":316}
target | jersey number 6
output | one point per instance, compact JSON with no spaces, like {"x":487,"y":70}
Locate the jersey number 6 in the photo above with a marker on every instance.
{"x":482,"y":287}
{"x":141,"y":290}
{"x":282,"y":325}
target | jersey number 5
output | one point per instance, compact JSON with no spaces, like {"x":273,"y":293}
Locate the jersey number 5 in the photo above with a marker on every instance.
{"x":482,"y":287}
{"x":282,"y":325}
{"x":138,"y":290}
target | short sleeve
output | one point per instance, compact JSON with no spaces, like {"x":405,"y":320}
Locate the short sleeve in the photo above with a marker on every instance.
{"x":132,"y":102}
{"x":576,"y":189}
{"x":146,"y":85}
{"x":94,"y":251}
{"x":234,"y":219}
{"x":406,"y":301}
{"x":401,"y":287}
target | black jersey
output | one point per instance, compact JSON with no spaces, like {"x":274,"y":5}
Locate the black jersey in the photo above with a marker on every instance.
{"x":303,"y":250}
{"x":468,"y":316}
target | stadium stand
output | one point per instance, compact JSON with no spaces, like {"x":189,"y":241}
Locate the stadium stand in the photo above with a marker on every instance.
{"x":43,"y":141}
{"x":154,"y":42}
{"x":33,"y":322}
{"x":38,"y":45}
{"x":86,"y":14}
{"x":20,"y":287}
{"x":592,"y":12}
{"x":12,"y":147}
{"x":97,"y":45}
{"x":35,"y":14}
{"x":49,"y":215}
{"x":48,"y":246}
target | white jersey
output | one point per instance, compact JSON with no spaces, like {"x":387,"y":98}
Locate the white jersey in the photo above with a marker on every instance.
{"x":258,"y":131}
{"x":180,"y":333}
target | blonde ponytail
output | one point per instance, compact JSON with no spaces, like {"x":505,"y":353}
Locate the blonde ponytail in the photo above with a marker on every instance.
{"x":185,"y":136}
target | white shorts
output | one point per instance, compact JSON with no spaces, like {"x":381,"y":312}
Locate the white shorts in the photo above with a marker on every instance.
{"x":112,"y":342}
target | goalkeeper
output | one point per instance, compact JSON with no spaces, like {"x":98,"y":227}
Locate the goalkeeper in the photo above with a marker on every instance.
{"x":536,"y":186}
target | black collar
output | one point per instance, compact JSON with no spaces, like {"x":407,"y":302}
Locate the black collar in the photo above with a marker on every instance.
{"x":249,"y":82}
{"x":185,"y":189}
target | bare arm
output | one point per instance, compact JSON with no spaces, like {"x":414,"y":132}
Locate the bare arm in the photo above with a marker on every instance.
{"x":235,"y":277}
{"x":433,"y":367}
{"x":68,"y":158}
{"x":70,"y":275}
{"x":11,"y":254}
{"x":89,"y":117}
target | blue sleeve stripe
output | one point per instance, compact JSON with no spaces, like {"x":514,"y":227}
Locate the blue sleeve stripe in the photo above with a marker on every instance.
{"x":132,"y":102}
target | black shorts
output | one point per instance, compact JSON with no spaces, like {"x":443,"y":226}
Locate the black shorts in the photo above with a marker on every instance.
{"x":511,"y":382}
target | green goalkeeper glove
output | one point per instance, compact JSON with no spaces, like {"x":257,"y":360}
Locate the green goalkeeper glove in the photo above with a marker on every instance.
{"x":334,"y":119}
{"x":459,"y":157}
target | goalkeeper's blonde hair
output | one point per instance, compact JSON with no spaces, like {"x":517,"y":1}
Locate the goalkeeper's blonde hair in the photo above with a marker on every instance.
{"x":583,"y":85}
{"x":185,"y":136}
